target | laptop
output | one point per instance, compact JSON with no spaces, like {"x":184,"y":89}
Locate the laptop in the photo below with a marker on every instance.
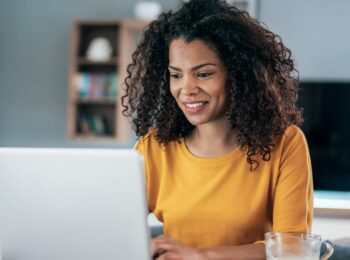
{"x":72,"y":204}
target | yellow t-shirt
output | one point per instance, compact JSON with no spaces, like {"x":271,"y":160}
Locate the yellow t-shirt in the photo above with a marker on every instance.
{"x":206,"y":202}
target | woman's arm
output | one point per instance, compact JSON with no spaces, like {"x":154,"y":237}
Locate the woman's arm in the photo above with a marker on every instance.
{"x":250,"y":251}
{"x":164,"y":248}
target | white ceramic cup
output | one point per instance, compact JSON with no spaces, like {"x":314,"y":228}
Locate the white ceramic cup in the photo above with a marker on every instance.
{"x":296,"y":246}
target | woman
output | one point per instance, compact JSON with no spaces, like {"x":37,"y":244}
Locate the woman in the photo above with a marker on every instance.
{"x":212,"y":95}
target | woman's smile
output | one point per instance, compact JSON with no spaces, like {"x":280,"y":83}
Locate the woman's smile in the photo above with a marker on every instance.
{"x":193,"y":107}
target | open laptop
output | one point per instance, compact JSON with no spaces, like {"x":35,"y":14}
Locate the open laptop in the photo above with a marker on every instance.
{"x":72,"y":204}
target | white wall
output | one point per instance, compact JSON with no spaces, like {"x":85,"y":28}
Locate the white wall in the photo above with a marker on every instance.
{"x":317,"y":32}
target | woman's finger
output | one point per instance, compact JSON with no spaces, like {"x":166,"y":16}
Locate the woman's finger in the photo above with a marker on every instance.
{"x":160,"y":245}
{"x":168,"y":256}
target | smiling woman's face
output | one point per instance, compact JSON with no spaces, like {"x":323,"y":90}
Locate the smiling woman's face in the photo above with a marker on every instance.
{"x":198,"y":81}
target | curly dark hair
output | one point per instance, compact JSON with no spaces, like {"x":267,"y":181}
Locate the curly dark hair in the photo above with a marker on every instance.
{"x":262,"y":78}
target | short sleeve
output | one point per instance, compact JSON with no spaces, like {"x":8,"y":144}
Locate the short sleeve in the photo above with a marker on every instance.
{"x":293,"y":200}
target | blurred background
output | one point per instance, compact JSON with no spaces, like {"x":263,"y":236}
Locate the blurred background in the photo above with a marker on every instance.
{"x":62,"y":62}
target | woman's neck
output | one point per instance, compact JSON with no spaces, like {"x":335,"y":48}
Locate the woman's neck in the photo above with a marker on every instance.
{"x":211,"y":140}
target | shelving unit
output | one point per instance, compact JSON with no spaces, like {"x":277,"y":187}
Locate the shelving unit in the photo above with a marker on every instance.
{"x":95,"y":91}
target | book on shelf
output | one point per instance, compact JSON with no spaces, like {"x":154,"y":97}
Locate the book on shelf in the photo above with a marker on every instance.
{"x":97,"y":85}
{"x":92,"y":125}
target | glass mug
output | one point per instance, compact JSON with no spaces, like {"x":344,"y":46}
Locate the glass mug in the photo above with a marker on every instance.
{"x":296,"y":246}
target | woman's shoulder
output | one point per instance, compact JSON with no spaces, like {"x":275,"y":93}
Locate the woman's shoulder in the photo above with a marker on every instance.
{"x":150,"y":142}
{"x":150,"y":135}
{"x":292,"y":138}
{"x":148,"y":139}
{"x":293,"y":133}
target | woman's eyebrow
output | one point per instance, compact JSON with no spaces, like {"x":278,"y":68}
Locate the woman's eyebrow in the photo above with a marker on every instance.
{"x":193,"y":68}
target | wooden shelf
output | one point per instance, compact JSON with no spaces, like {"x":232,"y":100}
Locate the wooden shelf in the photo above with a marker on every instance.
{"x":94,"y":138}
{"x":332,"y":212}
{"x":84,"y":61}
{"x":102,"y":102}
{"x":100,"y":119}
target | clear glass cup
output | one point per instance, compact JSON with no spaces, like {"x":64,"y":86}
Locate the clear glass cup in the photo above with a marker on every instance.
{"x":296,"y":246}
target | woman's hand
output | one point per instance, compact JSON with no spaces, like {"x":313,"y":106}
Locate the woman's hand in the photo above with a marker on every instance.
{"x":164,"y":248}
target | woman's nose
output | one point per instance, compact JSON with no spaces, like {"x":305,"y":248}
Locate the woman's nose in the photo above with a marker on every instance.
{"x":190,"y":86}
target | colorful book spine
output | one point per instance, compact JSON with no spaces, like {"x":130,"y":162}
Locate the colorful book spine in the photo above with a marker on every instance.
{"x":97,"y":85}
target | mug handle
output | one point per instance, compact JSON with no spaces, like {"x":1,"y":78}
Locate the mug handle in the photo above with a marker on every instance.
{"x":329,"y":250}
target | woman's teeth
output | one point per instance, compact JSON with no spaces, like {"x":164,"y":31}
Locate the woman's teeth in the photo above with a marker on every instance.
{"x":195,"y":105}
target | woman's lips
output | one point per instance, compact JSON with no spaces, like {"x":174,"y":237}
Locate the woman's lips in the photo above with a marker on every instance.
{"x":194,"y":106}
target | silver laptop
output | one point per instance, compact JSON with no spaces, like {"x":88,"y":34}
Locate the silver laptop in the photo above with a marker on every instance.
{"x":72,"y":204}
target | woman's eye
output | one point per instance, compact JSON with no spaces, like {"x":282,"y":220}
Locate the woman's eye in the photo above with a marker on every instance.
{"x":175,"y":76}
{"x":204,"y":74}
